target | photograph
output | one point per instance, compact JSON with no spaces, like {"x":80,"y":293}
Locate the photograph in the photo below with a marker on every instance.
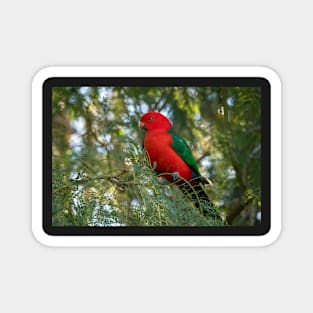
{"x":156,"y":156}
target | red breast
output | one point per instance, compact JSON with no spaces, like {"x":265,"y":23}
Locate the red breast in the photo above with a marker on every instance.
{"x":162,"y":157}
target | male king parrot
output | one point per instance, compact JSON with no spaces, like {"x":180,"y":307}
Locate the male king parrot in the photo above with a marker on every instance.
{"x":170,"y":156}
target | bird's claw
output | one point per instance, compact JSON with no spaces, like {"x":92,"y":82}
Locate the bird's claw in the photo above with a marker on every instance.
{"x":175,"y":176}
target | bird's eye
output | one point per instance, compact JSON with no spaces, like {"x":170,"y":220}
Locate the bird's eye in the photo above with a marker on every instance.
{"x":150,"y":118}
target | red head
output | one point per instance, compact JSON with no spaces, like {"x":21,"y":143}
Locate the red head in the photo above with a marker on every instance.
{"x":154,"y":120}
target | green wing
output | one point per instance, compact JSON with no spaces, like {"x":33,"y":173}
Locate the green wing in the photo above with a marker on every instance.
{"x":182,"y":149}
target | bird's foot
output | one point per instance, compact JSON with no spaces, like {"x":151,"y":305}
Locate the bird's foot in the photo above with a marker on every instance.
{"x":175,"y":176}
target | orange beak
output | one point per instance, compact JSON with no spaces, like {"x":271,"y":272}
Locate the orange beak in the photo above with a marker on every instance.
{"x":142,"y":125}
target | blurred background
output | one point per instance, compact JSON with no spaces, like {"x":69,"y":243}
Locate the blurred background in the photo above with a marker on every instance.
{"x":101,"y":176}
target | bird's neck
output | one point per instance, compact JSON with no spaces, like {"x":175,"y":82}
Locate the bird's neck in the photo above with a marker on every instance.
{"x":157,"y":131}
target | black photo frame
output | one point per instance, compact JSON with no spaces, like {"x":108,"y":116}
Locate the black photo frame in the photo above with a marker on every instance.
{"x":257,"y":230}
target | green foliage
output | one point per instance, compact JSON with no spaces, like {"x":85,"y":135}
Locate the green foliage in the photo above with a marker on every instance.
{"x":135,"y":197}
{"x":100,"y":172}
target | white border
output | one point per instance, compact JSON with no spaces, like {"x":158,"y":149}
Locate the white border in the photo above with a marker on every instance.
{"x":156,"y":241}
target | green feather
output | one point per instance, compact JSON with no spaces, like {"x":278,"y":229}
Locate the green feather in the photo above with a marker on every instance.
{"x":182,"y":149}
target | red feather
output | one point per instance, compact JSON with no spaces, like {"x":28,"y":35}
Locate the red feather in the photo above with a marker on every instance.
{"x":157,"y":142}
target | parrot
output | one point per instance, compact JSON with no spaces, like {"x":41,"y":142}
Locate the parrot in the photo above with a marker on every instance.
{"x":171,"y":157}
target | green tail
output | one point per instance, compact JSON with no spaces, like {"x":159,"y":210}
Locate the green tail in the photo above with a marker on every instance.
{"x":201,"y":200}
